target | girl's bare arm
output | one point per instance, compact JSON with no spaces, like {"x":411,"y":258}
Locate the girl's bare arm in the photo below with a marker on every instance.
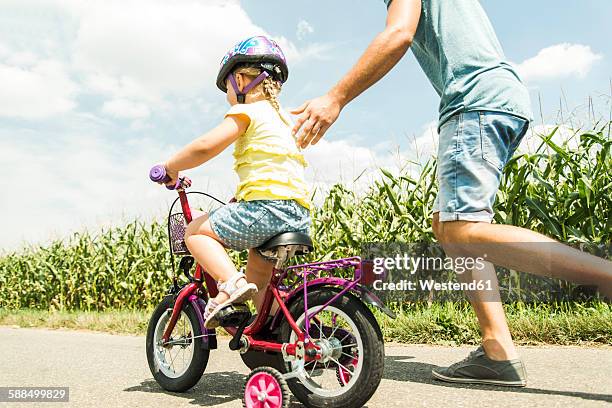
{"x":208,"y":145}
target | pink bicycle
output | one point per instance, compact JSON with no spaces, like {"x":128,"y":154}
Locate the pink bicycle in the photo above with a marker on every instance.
{"x":323,"y":344}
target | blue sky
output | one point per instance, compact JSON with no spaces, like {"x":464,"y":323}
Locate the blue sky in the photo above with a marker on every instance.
{"x":93,"y":93}
{"x":404,"y":100}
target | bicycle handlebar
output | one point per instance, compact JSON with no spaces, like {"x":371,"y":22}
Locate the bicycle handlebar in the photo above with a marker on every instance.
{"x":158,"y":174}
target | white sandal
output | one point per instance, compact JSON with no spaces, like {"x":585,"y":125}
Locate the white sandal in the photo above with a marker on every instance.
{"x":236,"y":295}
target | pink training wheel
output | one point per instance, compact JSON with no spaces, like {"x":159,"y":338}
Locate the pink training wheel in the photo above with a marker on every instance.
{"x":266,"y":388}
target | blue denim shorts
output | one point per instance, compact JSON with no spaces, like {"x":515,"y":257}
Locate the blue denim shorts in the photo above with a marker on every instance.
{"x":248,"y":224}
{"x":474,"y":147}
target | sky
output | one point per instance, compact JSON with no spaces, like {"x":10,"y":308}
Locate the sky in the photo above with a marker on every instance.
{"x":92,"y":94}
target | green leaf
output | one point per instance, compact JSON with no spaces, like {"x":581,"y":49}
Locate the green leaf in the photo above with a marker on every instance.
{"x":542,"y":212}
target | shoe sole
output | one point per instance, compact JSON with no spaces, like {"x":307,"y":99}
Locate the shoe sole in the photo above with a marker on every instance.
{"x":241,"y":297}
{"x":478,"y":381}
{"x":244,"y":294}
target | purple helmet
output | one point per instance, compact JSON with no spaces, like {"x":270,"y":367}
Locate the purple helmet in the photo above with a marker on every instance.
{"x":259,"y":51}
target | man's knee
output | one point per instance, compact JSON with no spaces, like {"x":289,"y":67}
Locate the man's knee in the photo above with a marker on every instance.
{"x":452,"y":231}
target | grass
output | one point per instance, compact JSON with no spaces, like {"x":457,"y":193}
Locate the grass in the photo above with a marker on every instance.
{"x":455,"y":324}
{"x":443,"y":324}
{"x":110,"y":321}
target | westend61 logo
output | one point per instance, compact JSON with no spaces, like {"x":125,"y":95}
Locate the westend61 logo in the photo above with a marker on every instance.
{"x":383,"y":268}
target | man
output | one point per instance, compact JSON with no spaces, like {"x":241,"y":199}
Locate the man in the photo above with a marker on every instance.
{"x":484,"y":113}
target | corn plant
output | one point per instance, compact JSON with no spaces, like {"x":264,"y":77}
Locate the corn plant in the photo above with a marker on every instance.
{"x":556,"y":190}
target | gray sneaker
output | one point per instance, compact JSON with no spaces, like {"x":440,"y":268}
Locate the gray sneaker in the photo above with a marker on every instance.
{"x":477,"y":368}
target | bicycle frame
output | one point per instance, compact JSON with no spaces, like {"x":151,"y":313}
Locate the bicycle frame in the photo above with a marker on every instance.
{"x":281,"y":278}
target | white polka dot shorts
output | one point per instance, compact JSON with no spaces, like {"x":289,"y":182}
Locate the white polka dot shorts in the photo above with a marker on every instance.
{"x":248,"y":224}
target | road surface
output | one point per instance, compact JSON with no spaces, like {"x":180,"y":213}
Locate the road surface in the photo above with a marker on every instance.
{"x":104,"y":370}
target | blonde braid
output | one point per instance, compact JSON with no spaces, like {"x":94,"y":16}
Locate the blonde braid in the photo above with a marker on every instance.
{"x":271,"y":90}
{"x":269,"y":86}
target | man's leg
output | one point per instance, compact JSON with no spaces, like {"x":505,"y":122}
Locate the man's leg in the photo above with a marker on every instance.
{"x":473,"y":149}
{"x":527,"y":251}
{"x":496,"y":338}
{"x":522,"y":250}
{"x":496,"y":361}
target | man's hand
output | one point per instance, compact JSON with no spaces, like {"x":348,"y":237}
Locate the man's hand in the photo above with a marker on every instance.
{"x":317,"y":115}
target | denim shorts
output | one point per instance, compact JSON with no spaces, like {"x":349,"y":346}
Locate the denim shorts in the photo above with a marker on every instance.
{"x":474,"y":147}
{"x":248,"y":224}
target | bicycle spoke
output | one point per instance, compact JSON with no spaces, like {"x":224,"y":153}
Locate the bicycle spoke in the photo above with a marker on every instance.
{"x":348,"y":355}
{"x":315,"y":321}
{"x":172,"y":361}
{"x":312,"y":371}
{"x":340,"y":364}
{"x":337,"y":362}
{"x":165,"y":351}
{"x":334,"y":331}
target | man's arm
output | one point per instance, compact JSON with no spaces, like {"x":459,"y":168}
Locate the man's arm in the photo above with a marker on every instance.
{"x":383,"y":53}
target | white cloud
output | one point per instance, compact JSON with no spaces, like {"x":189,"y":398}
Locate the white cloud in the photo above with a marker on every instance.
{"x":354,"y":166}
{"x":558,"y":61}
{"x":21,"y":59}
{"x":4,"y":50}
{"x":332,"y":161}
{"x":172,"y":49}
{"x":126,"y":109}
{"x":86,"y":182}
{"x":144,"y":51}
{"x":297,"y":55}
{"x":424,"y":146}
{"x":153,"y":48}
{"x":39,"y":90}
{"x":146,"y":59}
{"x":303,"y":29}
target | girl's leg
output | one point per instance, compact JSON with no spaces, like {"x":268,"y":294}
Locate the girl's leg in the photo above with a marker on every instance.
{"x":259,"y":272}
{"x":205,"y":246}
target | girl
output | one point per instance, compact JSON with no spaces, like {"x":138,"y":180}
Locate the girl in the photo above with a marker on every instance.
{"x":271,"y":197}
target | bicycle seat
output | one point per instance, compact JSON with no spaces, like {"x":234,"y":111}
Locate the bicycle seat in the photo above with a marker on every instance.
{"x":300,"y":240}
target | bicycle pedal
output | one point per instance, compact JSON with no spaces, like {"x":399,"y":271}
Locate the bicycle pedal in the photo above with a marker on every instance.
{"x":235,"y":315}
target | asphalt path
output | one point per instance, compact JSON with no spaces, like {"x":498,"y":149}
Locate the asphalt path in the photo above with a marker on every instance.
{"x":104,"y":370}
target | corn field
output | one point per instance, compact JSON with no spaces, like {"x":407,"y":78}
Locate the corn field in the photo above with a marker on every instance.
{"x":559,"y":191}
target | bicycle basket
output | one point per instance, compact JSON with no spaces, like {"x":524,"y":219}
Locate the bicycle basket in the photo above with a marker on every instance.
{"x":176,"y":233}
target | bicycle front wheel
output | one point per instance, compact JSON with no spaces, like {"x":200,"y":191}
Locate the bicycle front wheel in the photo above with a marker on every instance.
{"x":178,"y":365}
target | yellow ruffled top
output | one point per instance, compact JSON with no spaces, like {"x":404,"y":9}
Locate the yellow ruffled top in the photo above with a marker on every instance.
{"x":267,"y":160}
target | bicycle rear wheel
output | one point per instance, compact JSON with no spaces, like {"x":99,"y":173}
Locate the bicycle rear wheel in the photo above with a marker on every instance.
{"x":351,"y":342}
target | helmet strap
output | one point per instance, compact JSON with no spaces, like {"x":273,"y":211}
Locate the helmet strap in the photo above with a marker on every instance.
{"x":241,"y":94}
